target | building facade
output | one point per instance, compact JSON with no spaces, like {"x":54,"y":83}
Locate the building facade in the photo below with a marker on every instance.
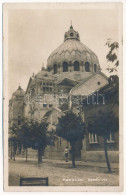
{"x":72,"y":70}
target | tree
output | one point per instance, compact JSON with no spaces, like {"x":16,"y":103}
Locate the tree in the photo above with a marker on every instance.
{"x":112,"y":55}
{"x":102,"y":124}
{"x":71,"y":128}
{"x":24,"y":137}
{"x":13,"y":139}
{"x":33,"y":134}
{"x":38,"y":136}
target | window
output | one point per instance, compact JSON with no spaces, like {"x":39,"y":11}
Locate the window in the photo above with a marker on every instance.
{"x":47,"y":89}
{"x":55,"y":68}
{"x":76,"y":66}
{"x":50,"y":105}
{"x":71,"y":34}
{"x":92,"y":138}
{"x":111,"y":138}
{"x":19,"y":120}
{"x":32,"y":92}
{"x":50,"y":89}
{"x":65,"y":67}
{"x":95,"y":67}
{"x":44,"y":105}
{"x":87,"y":67}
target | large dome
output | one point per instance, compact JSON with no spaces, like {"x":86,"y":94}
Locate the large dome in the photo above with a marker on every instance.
{"x":72,"y":56}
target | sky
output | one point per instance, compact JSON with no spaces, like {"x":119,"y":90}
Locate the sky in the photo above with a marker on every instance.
{"x":34,"y":33}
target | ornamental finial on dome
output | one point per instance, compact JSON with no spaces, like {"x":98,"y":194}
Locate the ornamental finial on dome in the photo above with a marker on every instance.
{"x":43,"y":67}
{"x":19,"y":87}
{"x":71,"y":27}
{"x":71,"y":34}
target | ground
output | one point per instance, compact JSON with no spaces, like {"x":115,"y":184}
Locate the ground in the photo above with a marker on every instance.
{"x":61,"y":173}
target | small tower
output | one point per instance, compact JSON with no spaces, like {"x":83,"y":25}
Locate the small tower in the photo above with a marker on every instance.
{"x":71,"y":34}
{"x":16,"y":107}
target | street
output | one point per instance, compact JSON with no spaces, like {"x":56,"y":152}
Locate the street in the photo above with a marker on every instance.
{"x":61,"y":173}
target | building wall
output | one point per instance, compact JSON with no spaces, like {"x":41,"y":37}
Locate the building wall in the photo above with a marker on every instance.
{"x":16,"y":111}
{"x":74,"y":75}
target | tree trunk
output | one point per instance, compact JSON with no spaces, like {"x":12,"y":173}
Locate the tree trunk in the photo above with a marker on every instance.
{"x":73,"y":155}
{"x":26,"y":150}
{"x":106,"y":155}
{"x":39,"y":155}
{"x":14,"y":151}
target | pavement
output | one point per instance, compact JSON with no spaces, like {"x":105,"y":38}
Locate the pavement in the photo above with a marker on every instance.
{"x":61,"y":173}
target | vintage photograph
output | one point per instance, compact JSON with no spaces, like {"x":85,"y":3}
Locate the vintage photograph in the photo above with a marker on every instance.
{"x":62,"y":66}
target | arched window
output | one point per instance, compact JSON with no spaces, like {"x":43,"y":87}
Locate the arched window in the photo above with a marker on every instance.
{"x":76,"y":66}
{"x":65,"y":67}
{"x":87,"y":67}
{"x":95,"y":67}
{"x":55,"y":68}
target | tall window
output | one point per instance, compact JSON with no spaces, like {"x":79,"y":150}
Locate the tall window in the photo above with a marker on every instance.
{"x":65,"y":67}
{"x":93,"y":138}
{"x":76,"y":66}
{"x":95,"y":67}
{"x":19,"y":120}
{"x":87,"y":67}
{"x":55,"y":68}
{"x":32,"y":93}
{"x":111,"y":138}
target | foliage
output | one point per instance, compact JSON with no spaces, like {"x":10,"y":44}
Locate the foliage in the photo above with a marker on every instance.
{"x":102,"y":124}
{"x":71,"y":128}
{"x":33,"y":134}
{"x":112,"y":55}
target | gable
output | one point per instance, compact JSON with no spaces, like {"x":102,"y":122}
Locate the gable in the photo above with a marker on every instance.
{"x":68,"y":82}
{"x":93,"y":83}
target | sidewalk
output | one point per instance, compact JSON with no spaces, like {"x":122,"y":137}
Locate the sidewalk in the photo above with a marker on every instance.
{"x":62,"y":162}
{"x":61,"y":173}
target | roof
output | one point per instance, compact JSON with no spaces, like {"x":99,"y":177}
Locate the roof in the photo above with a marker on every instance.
{"x":47,"y":114}
{"x":19,"y":92}
{"x":72,"y":50}
{"x":68,"y":82}
{"x":109,"y":91}
{"x":40,"y":76}
{"x":84,"y":80}
{"x":44,"y":74}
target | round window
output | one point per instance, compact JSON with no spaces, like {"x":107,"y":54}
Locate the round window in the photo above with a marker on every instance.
{"x":71,"y":34}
